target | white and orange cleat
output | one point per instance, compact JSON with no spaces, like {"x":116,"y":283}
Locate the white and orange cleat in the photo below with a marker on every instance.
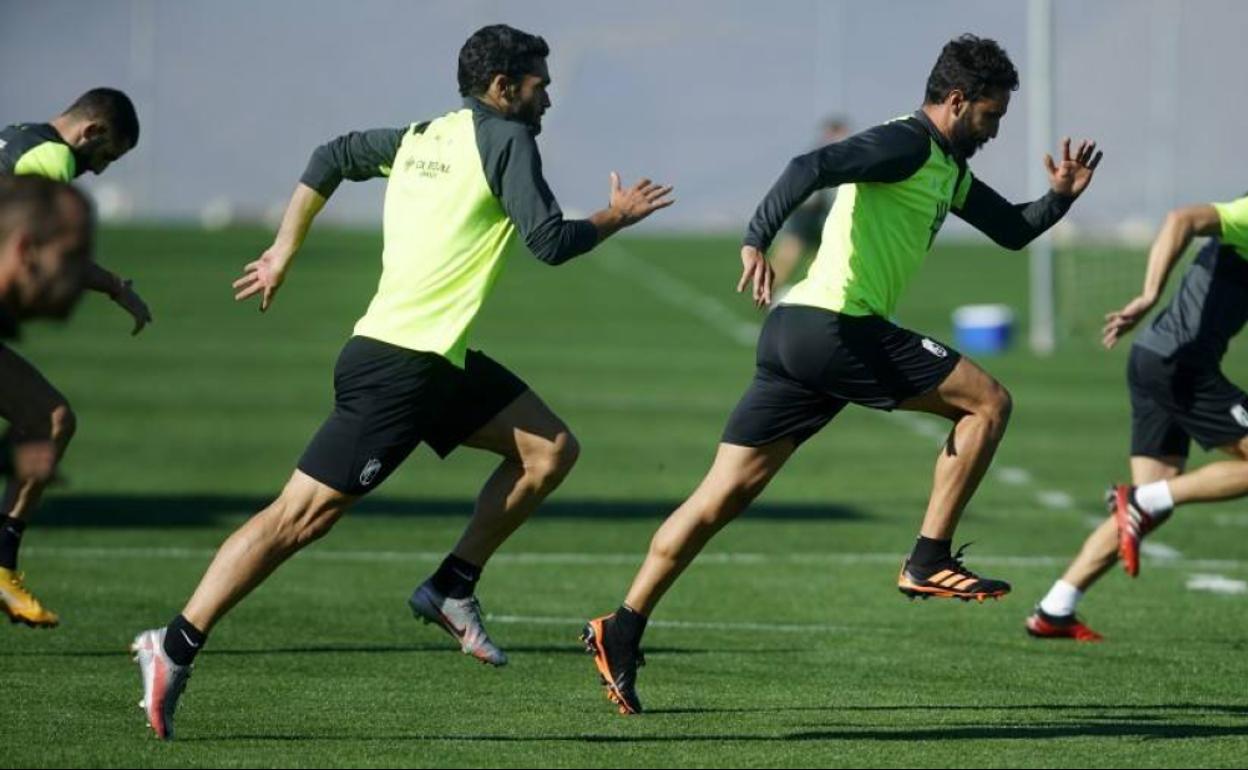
{"x":163,"y":681}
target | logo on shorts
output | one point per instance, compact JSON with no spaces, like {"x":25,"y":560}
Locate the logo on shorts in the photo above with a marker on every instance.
{"x":371,"y":469}
{"x":935,"y":348}
{"x":1240,"y":414}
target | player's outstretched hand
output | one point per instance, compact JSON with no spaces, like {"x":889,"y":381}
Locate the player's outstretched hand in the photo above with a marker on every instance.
{"x":132,"y":303}
{"x":639,"y":201}
{"x":1072,"y":175}
{"x":756,"y":271}
{"x":1120,"y":322}
{"x":263,"y":277}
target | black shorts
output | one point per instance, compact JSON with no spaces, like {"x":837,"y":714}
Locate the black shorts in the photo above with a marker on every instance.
{"x":1174,"y":401}
{"x":812,"y":362}
{"x":388,"y":399}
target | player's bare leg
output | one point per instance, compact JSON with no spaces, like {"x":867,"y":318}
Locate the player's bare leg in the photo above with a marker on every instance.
{"x":1054,"y":617}
{"x":39,"y":416}
{"x":980,"y":409}
{"x":737,"y":476}
{"x":305,"y":511}
{"x":538,"y":451}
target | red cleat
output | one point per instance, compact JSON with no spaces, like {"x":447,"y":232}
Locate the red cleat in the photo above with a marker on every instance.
{"x":1133,"y":525}
{"x":1042,"y":625}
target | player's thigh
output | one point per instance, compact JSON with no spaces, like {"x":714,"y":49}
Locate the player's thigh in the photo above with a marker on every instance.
{"x":525,"y":428}
{"x":967,"y":389}
{"x":1145,"y":470}
{"x":27,"y":399}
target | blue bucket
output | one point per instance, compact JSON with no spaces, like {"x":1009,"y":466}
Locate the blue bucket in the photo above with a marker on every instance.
{"x":983,"y":329}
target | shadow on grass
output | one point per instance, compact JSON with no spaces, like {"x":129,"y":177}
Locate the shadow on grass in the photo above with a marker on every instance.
{"x":164,"y":511}
{"x":1072,"y":729}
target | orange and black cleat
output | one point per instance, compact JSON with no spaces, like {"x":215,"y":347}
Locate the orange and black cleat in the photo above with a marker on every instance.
{"x":1133,"y":524}
{"x":1042,"y":625}
{"x":948,"y":579}
{"x":617,"y":662}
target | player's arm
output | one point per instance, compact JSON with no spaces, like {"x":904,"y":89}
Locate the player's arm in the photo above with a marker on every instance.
{"x":1177,"y":232}
{"x":121,"y":291}
{"x":513,"y":167}
{"x":1013,"y":226}
{"x":886,"y":153}
{"x":357,"y":156}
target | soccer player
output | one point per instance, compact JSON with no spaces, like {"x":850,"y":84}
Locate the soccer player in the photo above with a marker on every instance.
{"x":1178,"y":393}
{"x":46,"y":233}
{"x":459,"y":189}
{"x":97,"y":129}
{"x":831,"y":342}
{"x":801,"y":232}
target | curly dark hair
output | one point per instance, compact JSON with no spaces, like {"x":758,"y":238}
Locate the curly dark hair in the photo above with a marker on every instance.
{"x":972,"y":65}
{"x":112,"y":107}
{"x":497,"y":50}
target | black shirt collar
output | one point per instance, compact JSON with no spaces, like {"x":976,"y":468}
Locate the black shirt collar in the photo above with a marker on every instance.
{"x":941,"y":141}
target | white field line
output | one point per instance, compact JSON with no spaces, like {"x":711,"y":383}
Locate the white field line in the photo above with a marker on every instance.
{"x":735,"y":559}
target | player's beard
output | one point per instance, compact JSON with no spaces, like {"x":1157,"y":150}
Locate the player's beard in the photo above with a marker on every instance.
{"x":963,"y":137}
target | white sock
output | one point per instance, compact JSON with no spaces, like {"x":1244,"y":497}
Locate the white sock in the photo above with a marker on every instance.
{"x":1061,"y":599}
{"x":1155,"y":499}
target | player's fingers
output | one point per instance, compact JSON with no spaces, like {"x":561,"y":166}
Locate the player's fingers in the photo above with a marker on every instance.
{"x":1096,"y":160}
{"x":249,"y":291}
{"x":657,"y":191}
{"x":1049,"y":165}
{"x":745,"y":278}
{"x":1065,"y":149}
{"x":615,"y":182}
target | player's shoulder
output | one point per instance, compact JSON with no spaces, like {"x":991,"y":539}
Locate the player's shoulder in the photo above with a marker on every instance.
{"x":30,"y":134}
{"x":902,"y":136}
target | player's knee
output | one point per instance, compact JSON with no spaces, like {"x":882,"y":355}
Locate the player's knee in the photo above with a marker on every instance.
{"x":299,"y":523}
{"x":550,"y":465}
{"x":996,"y":407}
{"x":63,"y":422}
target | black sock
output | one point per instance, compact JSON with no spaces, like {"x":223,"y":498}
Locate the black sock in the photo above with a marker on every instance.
{"x":456,"y":578}
{"x":630,"y":623}
{"x":928,"y":552}
{"x":11,"y":530}
{"x":183,"y":641}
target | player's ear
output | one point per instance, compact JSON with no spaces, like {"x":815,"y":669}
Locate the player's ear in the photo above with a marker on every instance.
{"x":94,"y":131}
{"x":957,"y":102}
{"x":503,"y":88}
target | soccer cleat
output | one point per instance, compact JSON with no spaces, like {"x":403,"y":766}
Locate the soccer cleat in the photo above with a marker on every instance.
{"x":1133,"y":524}
{"x":948,"y":579}
{"x":461,"y":618}
{"x":1042,"y":625}
{"x":163,"y":681}
{"x":20,"y":605}
{"x":617,"y":662}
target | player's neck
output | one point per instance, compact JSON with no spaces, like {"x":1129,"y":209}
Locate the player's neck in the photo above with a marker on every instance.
{"x":941,"y":117}
{"x":64,"y":127}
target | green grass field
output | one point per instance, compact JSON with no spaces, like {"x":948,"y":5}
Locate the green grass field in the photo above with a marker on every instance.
{"x":787,"y":645}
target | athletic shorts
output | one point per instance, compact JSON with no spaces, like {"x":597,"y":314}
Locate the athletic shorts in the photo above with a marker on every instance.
{"x":811,"y":362}
{"x":388,"y":399}
{"x":1173,"y":402}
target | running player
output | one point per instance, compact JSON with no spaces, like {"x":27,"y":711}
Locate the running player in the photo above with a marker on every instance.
{"x":831,"y":342}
